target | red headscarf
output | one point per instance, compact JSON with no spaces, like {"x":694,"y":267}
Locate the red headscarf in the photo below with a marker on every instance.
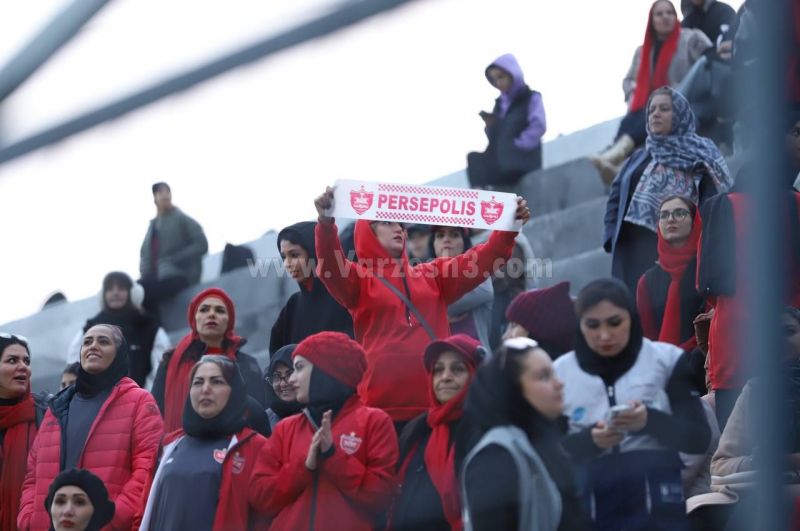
{"x":180,"y":365}
{"x":19,"y":423}
{"x":675,"y":261}
{"x":439,"y":453}
{"x":648,"y":80}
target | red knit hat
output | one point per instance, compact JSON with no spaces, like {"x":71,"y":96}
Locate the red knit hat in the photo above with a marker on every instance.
{"x":335,"y":354}
{"x":470,"y":349}
{"x":548,"y":314}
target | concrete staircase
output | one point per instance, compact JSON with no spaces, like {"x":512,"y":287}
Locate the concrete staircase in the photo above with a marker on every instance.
{"x":567,"y":199}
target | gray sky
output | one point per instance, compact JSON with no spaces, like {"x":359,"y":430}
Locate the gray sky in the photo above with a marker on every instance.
{"x":395,"y":99}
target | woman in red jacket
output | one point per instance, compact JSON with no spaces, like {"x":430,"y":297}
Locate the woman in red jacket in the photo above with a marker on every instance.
{"x":392,"y":336}
{"x":212,"y":317}
{"x":105,"y":423}
{"x":333,"y":465}
{"x":209,"y":463}
{"x":17,"y":423}
{"x":429,"y":466}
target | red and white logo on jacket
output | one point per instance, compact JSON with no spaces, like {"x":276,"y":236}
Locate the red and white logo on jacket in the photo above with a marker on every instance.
{"x":237,"y":463}
{"x":350,"y":443}
{"x":219,"y":455}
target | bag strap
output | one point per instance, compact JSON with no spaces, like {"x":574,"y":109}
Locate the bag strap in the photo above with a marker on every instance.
{"x":413,"y":309}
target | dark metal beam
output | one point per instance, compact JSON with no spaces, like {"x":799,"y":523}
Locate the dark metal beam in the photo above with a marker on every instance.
{"x":59,"y":31}
{"x":346,"y":15}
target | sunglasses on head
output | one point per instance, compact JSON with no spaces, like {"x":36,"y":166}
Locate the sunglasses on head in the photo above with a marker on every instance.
{"x":518,"y":344}
{"x":15,"y":337}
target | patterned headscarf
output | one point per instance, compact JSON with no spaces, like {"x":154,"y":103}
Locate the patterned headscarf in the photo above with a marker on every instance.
{"x":684,"y":149}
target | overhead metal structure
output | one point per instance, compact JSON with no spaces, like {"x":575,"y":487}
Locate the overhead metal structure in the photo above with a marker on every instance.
{"x":342,"y":17}
{"x":58,"y":32}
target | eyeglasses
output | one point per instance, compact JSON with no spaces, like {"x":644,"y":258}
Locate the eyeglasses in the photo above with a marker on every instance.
{"x":277,"y":378}
{"x":16,"y":337}
{"x":679,"y":214}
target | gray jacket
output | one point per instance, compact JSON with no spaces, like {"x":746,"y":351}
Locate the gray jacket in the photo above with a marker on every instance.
{"x":478,"y":304}
{"x":539,"y":498}
{"x":181,"y":246}
{"x":691,"y":45}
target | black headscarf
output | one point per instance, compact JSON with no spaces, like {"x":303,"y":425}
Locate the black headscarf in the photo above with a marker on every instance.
{"x":301,"y":234}
{"x":92,"y":384}
{"x":326,"y":393}
{"x":495,"y":399}
{"x":232,"y":417}
{"x":608,"y":368}
{"x":280,"y":407}
{"x":93,"y":487}
{"x":464,"y":236}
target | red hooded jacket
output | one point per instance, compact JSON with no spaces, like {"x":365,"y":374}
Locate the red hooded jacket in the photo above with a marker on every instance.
{"x":121,"y":449}
{"x":348,"y":489}
{"x":393,"y":338}
{"x":235,"y":507}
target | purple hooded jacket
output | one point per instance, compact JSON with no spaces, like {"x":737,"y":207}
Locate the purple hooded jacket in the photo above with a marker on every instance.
{"x":531,"y":136}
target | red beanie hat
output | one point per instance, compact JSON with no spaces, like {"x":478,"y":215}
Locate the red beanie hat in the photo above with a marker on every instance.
{"x":548,"y":314}
{"x":470,"y":349}
{"x":335,"y":354}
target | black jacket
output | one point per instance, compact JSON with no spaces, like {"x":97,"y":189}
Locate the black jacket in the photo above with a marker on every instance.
{"x":710,"y":20}
{"x":308,"y":311}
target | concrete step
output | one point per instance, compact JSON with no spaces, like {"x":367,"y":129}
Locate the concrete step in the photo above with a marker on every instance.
{"x":567,"y":232}
{"x":579,"y":270}
{"x":552,"y":189}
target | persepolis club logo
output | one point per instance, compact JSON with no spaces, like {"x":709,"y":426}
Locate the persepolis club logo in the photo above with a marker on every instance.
{"x":350,"y":443}
{"x":491,"y":210}
{"x":361,"y":200}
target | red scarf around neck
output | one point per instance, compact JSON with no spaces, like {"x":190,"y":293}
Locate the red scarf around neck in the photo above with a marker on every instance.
{"x":675,"y":261}
{"x":19,"y":423}
{"x":440,"y":454}
{"x":648,"y":79}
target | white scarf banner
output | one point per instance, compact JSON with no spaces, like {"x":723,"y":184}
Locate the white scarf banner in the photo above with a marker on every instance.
{"x":430,"y":205}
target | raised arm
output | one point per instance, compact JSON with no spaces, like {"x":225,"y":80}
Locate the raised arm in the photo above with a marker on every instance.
{"x":337,"y":273}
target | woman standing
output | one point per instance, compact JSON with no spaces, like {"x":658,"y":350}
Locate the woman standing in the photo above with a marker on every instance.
{"x":472,"y":313}
{"x":428,"y":466}
{"x":78,"y":501}
{"x":667,"y":297}
{"x":17,"y":423}
{"x":631,"y":410}
{"x":208,"y":465}
{"x":664,"y":59}
{"x":675,"y":162}
{"x":104,"y":423}
{"x":212,"y":317}
{"x":518,"y":477}
{"x":334,"y":464}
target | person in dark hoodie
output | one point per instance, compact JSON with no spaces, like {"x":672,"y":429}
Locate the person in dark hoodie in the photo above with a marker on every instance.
{"x":212,"y":317}
{"x":631,"y":409}
{"x":429,"y":498}
{"x":713,"y":18}
{"x":281,"y":395}
{"x":209,"y":463}
{"x":514,"y":127}
{"x":146,"y":339}
{"x":518,"y":476}
{"x":333,"y":465}
{"x":104,"y":423}
{"x":312,"y":309}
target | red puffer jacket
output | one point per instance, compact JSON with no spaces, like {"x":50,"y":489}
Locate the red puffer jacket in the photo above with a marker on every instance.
{"x":348,"y":489}
{"x":234,"y":507}
{"x":121,"y":449}
{"x":392,"y":337}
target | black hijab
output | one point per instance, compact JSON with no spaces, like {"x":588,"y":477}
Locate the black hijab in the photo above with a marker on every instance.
{"x":608,"y":368}
{"x":280,"y":407}
{"x":95,"y":490}
{"x":91,"y":384}
{"x":231,"y":419}
{"x":495,"y":399}
{"x":325,"y":393}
